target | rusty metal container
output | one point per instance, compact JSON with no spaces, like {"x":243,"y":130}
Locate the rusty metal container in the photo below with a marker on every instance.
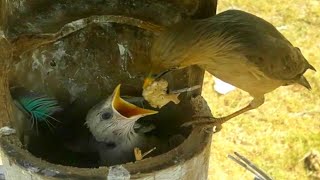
{"x":78,"y":51}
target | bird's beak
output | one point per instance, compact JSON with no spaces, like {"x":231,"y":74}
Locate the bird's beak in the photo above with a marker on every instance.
{"x":304,"y":82}
{"x":148,"y":81}
{"x":152,"y":77}
{"x":127,"y":109}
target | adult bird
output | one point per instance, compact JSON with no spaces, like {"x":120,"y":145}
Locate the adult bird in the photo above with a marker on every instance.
{"x":112,"y":124}
{"x":236,"y":47}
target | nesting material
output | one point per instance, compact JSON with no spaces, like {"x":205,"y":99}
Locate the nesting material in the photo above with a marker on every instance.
{"x":138,"y":153}
{"x":157,"y":96}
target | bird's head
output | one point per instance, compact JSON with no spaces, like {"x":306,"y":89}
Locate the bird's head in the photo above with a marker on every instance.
{"x":178,"y":47}
{"x":114,"y":116}
{"x":163,"y":58}
{"x":301,"y":66}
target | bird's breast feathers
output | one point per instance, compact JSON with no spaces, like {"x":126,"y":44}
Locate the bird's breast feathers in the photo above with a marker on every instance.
{"x":242,"y":74}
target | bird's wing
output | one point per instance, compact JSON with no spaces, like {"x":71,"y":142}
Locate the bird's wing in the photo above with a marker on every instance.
{"x":262,"y":44}
{"x":237,"y":21}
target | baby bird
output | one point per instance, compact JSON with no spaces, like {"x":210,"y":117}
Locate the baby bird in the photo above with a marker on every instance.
{"x":112,"y":124}
{"x":235,"y":46}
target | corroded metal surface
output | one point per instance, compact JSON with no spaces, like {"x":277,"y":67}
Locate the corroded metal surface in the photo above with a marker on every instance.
{"x":78,"y":51}
{"x":5,"y":99}
{"x":79,"y":59}
{"x":188,"y":161}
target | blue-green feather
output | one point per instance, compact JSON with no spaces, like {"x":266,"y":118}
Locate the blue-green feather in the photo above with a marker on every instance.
{"x":39,"y":107}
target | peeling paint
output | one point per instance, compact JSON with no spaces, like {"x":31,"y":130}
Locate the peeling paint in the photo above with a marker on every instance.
{"x":32,"y":27}
{"x":39,"y":62}
{"x":18,"y":5}
{"x":74,"y":89}
{"x":33,"y":169}
{"x":30,"y":168}
{"x":175,"y":174}
{"x":41,"y":59}
{"x":122,"y":50}
{"x":58,"y":55}
{"x":118,"y":173}
{"x":60,"y":52}
{"x":81,"y":37}
{"x":49,"y":172}
{"x":35,"y":63}
{"x":125,"y":55}
{"x":6,"y":131}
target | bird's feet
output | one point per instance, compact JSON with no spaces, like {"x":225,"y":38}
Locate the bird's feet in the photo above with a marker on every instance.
{"x":208,"y":123}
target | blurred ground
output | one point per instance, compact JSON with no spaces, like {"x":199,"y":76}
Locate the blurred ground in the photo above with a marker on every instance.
{"x":277,"y":135}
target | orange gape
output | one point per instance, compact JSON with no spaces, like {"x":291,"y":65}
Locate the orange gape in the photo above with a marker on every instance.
{"x":127,"y":109}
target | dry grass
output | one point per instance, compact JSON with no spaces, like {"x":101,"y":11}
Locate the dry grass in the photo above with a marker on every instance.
{"x":279,"y":133}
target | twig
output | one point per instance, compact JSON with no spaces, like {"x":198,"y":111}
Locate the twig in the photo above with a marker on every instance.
{"x":138,"y":154}
{"x":244,"y":162}
{"x":148,"y":152}
{"x":244,"y":165}
{"x":188,"y":89}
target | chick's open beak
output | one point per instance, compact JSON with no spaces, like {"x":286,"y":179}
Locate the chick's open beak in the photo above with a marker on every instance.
{"x":127,"y":109}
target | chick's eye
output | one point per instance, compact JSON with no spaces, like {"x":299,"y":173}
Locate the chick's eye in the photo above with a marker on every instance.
{"x":105,"y":116}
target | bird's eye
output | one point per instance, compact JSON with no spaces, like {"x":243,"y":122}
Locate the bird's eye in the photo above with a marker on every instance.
{"x":106,"y":116}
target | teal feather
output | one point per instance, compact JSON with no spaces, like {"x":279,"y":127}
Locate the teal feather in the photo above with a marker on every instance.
{"x":39,"y":108}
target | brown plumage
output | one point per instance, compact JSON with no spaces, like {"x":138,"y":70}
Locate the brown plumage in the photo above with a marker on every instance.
{"x":236,"y":47}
